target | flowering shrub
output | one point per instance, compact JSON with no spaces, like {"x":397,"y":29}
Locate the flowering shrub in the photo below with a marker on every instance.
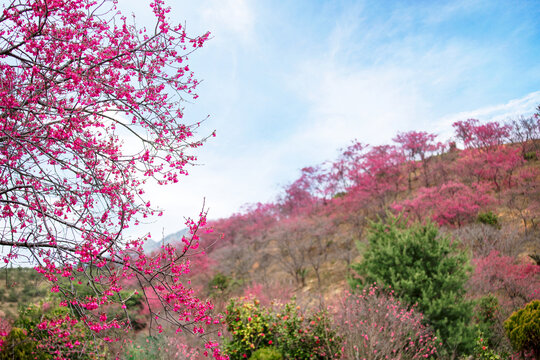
{"x":451,"y":203}
{"x":49,"y":332}
{"x":482,"y":350}
{"x":301,"y":336}
{"x":376,"y":325}
{"x":286,"y":329}
{"x":5,"y":328}
{"x":250,"y":325}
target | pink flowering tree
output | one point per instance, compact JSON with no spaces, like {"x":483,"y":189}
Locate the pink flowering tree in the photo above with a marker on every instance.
{"x":485,"y":137}
{"x":418,"y":147}
{"x":487,"y":157}
{"x":374,"y":175}
{"x":90,"y":110}
{"x":516,"y":283}
{"x":452,"y":203}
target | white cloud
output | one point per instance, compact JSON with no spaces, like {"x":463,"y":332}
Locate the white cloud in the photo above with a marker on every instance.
{"x":229,"y":17}
{"x":499,"y":112}
{"x":368,"y":104}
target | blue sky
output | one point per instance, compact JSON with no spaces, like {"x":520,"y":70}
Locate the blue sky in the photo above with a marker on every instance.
{"x":288,"y":83}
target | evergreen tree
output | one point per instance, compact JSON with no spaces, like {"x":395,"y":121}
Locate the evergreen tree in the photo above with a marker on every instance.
{"x":425,"y":269}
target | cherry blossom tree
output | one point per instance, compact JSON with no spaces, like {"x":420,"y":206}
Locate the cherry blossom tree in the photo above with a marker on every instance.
{"x":90,"y":110}
{"x":485,"y":137}
{"x":526,"y":132}
{"x":452,"y":203}
{"x":375,"y":176}
{"x":418,"y":147}
{"x":516,"y":283}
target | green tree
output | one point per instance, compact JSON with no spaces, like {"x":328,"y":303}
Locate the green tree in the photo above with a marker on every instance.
{"x":423,"y":268}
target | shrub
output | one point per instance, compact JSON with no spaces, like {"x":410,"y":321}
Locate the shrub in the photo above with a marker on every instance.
{"x":489,"y":317}
{"x":523,"y":328}
{"x":376,"y":325}
{"x":18,"y":345}
{"x":45,"y":332}
{"x":488,"y":218}
{"x":306,"y":337}
{"x":530,"y":156}
{"x":482,"y":350}
{"x":159,"y":347}
{"x":425,"y":269}
{"x":266,"y":353}
{"x":219,"y":283}
{"x":292,"y":333}
{"x":250,"y":325}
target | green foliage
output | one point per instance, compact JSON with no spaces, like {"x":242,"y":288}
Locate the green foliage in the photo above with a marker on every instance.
{"x":287,"y":330}
{"x":132,"y":300}
{"x":530,"y":156}
{"x":251,"y":327}
{"x":18,"y":345}
{"x":339,"y":195}
{"x":27,"y":340}
{"x":31,"y":315}
{"x":423,"y":268}
{"x":219,"y":282}
{"x":311,"y":337}
{"x":149,"y":350}
{"x":486,"y":320}
{"x":266,"y":353}
{"x":22,"y":286}
{"x":486,"y":309}
{"x":489,"y":218}
{"x":523,"y":328}
{"x":482,"y":350}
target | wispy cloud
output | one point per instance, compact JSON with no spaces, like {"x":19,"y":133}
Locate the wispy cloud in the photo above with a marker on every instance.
{"x":229,"y":18}
{"x":288,"y":83}
{"x":504,"y":112}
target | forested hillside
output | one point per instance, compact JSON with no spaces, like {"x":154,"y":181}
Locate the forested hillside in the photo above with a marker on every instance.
{"x":421,"y":248}
{"x":480,"y":189}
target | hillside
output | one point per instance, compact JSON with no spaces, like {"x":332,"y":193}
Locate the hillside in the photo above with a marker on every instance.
{"x":478,"y":195}
{"x":482,"y":189}
{"x":486,"y":195}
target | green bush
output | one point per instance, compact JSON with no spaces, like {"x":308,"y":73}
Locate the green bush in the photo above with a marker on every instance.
{"x":422,"y":268}
{"x":489,"y":218}
{"x":219,"y":283}
{"x":152,"y":347}
{"x":306,"y":337}
{"x":482,"y":350}
{"x":486,"y":318}
{"x":530,"y":156}
{"x":251,"y":327}
{"x":18,"y":345}
{"x":13,"y":296}
{"x":28,"y":340}
{"x":287,"y":330}
{"x":523,"y":328}
{"x":266,"y":353}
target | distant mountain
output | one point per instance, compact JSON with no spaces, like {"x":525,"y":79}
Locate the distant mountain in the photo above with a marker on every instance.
{"x":151,"y":245}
